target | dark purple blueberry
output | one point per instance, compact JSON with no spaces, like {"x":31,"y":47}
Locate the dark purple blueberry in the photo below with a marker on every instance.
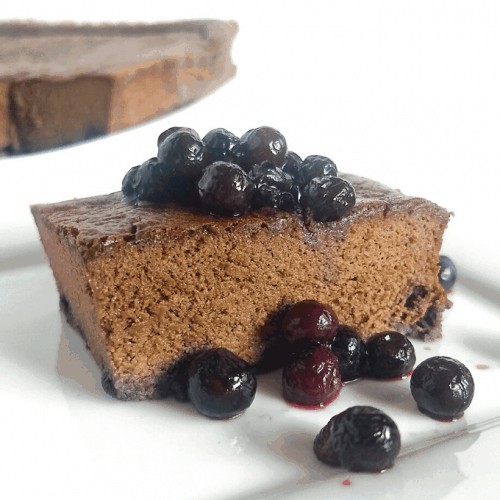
{"x":273,"y":187}
{"x":130,"y":183}
{"x":225,"y":189}
{"x":350,"y":350}
{"x":315,"y":166}
{"x":293,"y":163}
{"x":360,"y":439}
{"x":151,"y":184}
{"x":183,"y":154}
{"x":447,"y":272}
{"x":311,"y":320}
{"x":328,"y":198}
{"x":313,"y":379}
{"x":442,"y":387}
{"x":221,"y":384}
{"x":220,"y":144}
{"x":261,"y":144}
{"x":389,"y":355}
{"x":171,"y":130}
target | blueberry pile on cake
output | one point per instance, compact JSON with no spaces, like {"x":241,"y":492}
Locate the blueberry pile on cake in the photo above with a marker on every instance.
{"x":215,"y":237}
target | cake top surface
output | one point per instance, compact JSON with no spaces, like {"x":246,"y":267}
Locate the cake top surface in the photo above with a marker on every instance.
{"x":34,"y":50}
{"x":108,"y":217}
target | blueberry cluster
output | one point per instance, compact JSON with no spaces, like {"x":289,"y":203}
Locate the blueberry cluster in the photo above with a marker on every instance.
{"x":230,"y":176}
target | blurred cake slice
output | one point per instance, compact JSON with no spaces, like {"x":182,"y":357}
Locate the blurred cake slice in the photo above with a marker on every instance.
{"x":64,"y":83}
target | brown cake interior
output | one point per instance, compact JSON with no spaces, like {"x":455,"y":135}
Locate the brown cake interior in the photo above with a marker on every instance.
{"x":147,"y":285}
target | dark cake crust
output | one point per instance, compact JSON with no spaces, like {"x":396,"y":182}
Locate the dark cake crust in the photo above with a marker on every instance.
{"x":85,"y":237}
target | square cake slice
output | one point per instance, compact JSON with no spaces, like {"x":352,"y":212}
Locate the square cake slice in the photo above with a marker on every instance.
{"x":147,"y":285}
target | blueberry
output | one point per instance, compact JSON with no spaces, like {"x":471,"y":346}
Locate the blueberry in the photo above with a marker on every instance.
{"x":315,"y":166}
{"x":310,"y":319}
{"x":220,"y":144}
{"x":293,"y":163}
{"x":221,"y":384}
{"x":313,"y":379}
{"x":447,"y":272}
{"x":130,"y":183}
{"x":360,"y":439}
{"x":182,"y":154}
{"x":171,"y":130}
{"x":442,"y":387}
{"x":261,"y":144}
{"x":328,"y":198}
{"x":151,"y":184}
{"x":273,"y":187}
{"x":225,"y":189}
{"x":389,"y":355}
{"x":350,"y":351}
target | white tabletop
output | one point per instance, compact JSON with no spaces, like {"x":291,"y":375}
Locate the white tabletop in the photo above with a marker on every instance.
{"x":405,"y":93}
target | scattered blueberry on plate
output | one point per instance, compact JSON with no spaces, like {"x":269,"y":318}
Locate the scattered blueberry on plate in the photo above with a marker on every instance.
{"x":442,"y":387}
{"x":360,"y":439}
{"x":221,"y":384}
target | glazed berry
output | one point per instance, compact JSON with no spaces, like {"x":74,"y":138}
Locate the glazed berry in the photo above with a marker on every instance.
{"x":314,"y":379}
{"x":262,"y":144}
{"x":220,"y":144}
{"x":442,"y":387}
{"x":311,"y":320}
{"x":360,"y":439}
{"x":315,"y":166}
{"x":293,"y":163}
{"x":389,"y":355}
{"x":273,"y":187}
{"x":151,"y":186}
{"x":328,"y":198}
{"x":183,"y":154}
{"x":350,"y":351}
{"x":130,"y":183}
{"x":171,"y":130}
{"x":447,"y":272}
{"x":226,"y":189}
{"x":221,"y":384}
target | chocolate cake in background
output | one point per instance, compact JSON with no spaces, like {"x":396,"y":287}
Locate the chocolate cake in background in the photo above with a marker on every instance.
{"x":65,"y":83}
{"x":147,"y":285}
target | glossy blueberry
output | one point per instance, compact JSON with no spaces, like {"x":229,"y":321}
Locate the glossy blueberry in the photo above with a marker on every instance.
{"x":350,"y":351}
{"x":447,"y":272}
{"x":293,"y":163}
{"x":130,"y":183}
{"x":360,"y":439}
{"x":220,"y":144}
{"x":225,"y":189}
{"x":315,"y":166}
{"x":273,"y":187}
{"x":221,"y":384}
{"x":311,"y":320}
{"x":262,"y":144}
{"x":328,"y":198}
{"x":389,"y":355}
{"x":442,"y":387}
{"x":314,"y":379}
{"x":164,"y":135}
{"x":183,"y":154}
{"x":151,"y":185}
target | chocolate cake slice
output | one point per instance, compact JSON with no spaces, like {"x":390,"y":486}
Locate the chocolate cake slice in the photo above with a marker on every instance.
{"x":64,"y":83}
{"x":146,"y":285}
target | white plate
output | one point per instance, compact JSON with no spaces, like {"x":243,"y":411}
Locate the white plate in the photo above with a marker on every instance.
{"x":63,"y":435}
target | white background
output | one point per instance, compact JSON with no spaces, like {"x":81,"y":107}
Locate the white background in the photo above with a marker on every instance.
{"x":404,"y":92}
